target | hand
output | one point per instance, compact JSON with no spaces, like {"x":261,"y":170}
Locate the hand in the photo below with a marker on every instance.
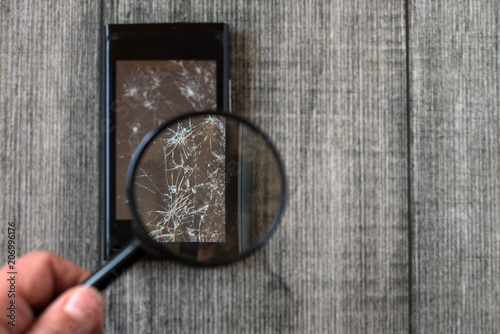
{"x":41,"y":278}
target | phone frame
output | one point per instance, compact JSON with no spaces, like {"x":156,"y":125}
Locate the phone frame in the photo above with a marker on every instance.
{"x":169,"y":41}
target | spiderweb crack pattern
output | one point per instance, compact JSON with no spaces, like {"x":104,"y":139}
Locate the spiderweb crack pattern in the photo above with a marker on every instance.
{"x":180,"y":182}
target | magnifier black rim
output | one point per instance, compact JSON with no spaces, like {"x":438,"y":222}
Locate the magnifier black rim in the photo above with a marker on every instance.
{"x":160,"y":251}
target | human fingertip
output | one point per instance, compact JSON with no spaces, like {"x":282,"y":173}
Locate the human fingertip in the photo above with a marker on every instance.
{"x":86,"y":308}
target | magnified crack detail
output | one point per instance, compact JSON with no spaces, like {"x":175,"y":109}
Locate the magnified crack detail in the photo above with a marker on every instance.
{"x":179,"y":182}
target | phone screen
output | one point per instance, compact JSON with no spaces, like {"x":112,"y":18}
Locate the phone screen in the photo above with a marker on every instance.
{"x":148,"y":93}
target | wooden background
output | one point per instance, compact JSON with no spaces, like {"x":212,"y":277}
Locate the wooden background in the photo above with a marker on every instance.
{"x":386,"y":113}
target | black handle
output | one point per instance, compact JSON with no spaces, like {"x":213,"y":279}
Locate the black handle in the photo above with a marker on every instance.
{"x":116,"y":265}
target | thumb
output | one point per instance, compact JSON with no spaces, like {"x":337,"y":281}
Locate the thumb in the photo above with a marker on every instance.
{"x":78,"y":310}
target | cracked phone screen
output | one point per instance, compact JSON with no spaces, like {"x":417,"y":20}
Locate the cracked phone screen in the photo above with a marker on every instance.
{"x":180,"y":182}
{"x":148,"y":93}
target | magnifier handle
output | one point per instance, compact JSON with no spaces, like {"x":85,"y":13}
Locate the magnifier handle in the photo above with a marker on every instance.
{"x":126,"y":257}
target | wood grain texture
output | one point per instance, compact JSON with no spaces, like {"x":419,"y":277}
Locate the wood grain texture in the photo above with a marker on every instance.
{"x":327,"y":81}
{"x":455,"y":130}
{"x":48,"y":121}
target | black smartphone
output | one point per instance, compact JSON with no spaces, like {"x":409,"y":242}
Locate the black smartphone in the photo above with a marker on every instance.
{"x":152,"y":73}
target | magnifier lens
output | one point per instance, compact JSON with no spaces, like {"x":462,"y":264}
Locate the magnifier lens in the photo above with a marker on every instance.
{"x":207,"y":189}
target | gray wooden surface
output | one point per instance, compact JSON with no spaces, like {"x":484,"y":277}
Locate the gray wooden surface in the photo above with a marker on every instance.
{"x":328,"y":82}
{"x":455,"y":146}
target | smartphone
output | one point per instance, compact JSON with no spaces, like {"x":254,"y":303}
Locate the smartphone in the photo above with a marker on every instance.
{"x":150,"y":74}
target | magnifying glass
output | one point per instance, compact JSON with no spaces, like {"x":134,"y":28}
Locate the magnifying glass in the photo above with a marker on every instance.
{"x":204,"y":189}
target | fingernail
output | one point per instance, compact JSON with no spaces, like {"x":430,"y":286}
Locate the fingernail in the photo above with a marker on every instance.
{"x":82,"y":303}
